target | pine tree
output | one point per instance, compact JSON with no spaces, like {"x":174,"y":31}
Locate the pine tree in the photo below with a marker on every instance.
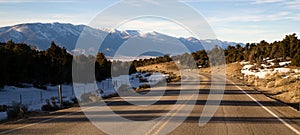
{"x":293,"y":45}
{"x":296,"y":59}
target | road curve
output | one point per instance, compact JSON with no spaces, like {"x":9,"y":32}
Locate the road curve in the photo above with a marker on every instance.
{"x":241,"y":111}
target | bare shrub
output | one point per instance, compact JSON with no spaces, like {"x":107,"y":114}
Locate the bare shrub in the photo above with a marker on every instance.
{"x":261,"y":82}
{"x":94,"y":98}
{"x":85,"y":98}
{"x":271,"y":84}
{"x":143,"y":80}
{"x":47,"y":106}
{"x":282,"y":82}
{"x":144,"y":86}
{"x":293,"y":79}
{"x":3,"y":108}
{"x":252,"y":68}
{"x":148,"y":74}
{"x":251,"y":79}
{"x":125,"y":89}
{"x":17,"y":110}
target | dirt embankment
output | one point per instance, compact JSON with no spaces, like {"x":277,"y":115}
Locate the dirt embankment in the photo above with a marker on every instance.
{"x":232,"y":70}
{"x":169,"y":68}
{"x":278,"y":86}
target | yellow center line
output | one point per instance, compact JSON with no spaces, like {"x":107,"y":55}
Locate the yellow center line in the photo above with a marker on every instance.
{"x":167,"y":121}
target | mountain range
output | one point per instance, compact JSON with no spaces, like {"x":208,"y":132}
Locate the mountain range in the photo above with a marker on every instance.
{"x":67,"y":35}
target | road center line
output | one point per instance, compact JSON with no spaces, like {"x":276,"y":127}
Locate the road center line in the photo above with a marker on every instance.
{"x":161,"y":119}
{"x":166,"y":122}
{"x":269,"y":111}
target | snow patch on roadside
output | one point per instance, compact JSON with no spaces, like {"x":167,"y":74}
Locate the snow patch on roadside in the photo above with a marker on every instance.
{"x":261,"y":73}
{"x":35,"y":98}
{"x":3,"y":116}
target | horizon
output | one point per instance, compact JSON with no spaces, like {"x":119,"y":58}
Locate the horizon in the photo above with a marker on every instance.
{"x":235,"y":21}
{"x":108,"y":30}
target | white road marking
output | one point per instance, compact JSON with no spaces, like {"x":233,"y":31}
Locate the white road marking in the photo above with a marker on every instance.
{"x":269,"y":111}
{"x":43,"y":121}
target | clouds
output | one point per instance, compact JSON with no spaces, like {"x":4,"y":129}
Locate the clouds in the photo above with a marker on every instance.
{"x":137,"y":3}
{"x":295,"y":5}
{"x":158,"y":25}
{"x":254,"y":20}
{"x":233,"y":20}
{"x":288,"y":4}
{"x":47,"y":18}
{"x":259,"y":17}
{"x":34,"y":1}
{"x":267,"y":1}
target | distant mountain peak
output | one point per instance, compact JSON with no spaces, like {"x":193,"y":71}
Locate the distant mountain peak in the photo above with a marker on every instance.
{"x":66,"y":34}
{"x":133,"y":32}
{"x":193,"y":39}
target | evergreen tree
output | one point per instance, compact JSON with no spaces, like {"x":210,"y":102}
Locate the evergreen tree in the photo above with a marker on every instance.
{"x":296,"y":59}
{"x":102,"y":67}
{"x":293,"y":45}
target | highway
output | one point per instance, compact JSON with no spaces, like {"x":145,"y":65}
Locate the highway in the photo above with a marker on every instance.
{"x":176,"y":109}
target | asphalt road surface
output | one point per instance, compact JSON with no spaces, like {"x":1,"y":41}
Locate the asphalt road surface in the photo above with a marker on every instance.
{"x":200,"y":109}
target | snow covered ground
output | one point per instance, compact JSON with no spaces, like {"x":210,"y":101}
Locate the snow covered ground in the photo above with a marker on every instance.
{"x":132,"y":81}
{"x":35,"y":98}
{"x":3,"y":116}
{"x":128,"y":58}
{"x":261,"y":73}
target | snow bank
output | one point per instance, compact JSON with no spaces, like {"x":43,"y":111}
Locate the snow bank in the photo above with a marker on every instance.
{"x":261,"y":73}
{"x":285,"y":63}
{"x":3,"y":116}
{"x":247,"y":67}
{"x":110,"y":86}
{"x":35,"y":98}
{"x":244,"y":62}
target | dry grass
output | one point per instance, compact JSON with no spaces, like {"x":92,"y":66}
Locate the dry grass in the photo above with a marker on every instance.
{"x":169,"y":68}
{"x":289,"y":93}
{"x":232,"y":70}
{"x":270,"y":84}
{"x":284,"y":89}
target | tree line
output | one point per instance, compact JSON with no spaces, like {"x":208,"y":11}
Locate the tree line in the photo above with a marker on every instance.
{"x":287,"y":49}
{"x":21,"y":63}
{"x":151,"y":61}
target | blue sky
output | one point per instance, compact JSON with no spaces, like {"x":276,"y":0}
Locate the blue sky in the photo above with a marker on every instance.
{"x":232,"y":20}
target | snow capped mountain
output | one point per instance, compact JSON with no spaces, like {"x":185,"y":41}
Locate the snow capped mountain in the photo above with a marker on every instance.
{"x":41,"y":35}
{"x":132,"y":32}
{"x":223,"y":44}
